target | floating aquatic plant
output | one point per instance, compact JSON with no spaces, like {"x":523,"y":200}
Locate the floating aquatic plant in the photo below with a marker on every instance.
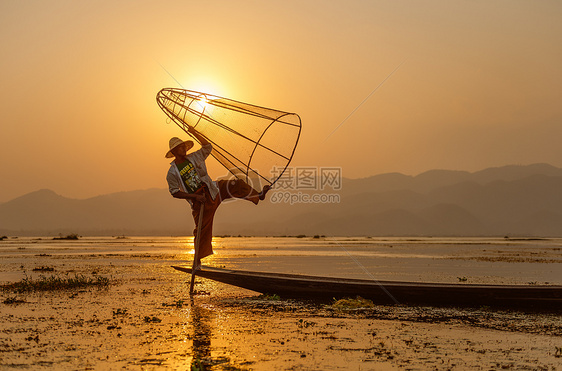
{"x":13,"y":300}
{"x":178,"y":304}
{"x":54,"y":282}
{"x":152,"y":319}
{"x":72,"y":236}
{"x":301,"y":323}
{"x":349,"y":303}
{"x":120,"y":312}
{"x":273,"y":297}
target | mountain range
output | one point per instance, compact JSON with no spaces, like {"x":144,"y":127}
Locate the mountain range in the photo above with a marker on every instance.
{"x":504,"y":201}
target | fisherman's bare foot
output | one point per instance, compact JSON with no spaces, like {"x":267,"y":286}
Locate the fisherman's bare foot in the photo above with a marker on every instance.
{"x":264,"y":191}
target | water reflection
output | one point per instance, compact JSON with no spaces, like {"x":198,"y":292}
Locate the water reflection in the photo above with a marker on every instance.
{"x":201,"y":320}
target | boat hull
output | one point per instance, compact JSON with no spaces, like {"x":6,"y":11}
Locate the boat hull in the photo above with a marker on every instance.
{"x":539,"y":297}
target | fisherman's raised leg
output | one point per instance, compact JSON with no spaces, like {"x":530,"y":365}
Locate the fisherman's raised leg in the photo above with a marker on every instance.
{"x":237,"y":188}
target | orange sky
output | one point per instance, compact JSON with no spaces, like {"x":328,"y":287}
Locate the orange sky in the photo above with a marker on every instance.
{"x":481,"y":84}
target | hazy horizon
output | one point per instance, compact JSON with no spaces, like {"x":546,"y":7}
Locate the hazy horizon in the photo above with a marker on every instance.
{"x":479,"y":84}
{"x":165,"y":187}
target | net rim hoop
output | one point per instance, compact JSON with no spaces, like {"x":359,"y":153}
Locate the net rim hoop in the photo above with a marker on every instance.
{"x":248,"y":167}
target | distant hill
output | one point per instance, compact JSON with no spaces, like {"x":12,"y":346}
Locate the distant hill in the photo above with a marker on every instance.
{"x":509,"y":200}
{"x":44,"y":212}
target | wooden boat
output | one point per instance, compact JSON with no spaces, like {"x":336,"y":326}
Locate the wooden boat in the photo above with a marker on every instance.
{"x":539,"y":297}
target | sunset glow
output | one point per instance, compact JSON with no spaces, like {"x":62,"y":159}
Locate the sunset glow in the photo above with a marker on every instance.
{"x":479,"y":85}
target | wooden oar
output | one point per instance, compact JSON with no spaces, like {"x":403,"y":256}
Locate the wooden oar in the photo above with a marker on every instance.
{"x":196,"y":246}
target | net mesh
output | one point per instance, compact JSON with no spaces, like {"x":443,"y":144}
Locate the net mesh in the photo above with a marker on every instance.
{"x":256,"y":144}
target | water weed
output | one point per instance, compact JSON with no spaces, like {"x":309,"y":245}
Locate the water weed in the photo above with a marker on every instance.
{"x":55,"y":282}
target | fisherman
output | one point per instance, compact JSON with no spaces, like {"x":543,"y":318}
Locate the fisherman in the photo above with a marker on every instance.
{"x":188,"y":179}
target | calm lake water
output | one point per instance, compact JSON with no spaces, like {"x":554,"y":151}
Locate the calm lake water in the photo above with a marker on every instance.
{"x":476,"y":260}
{"x":146,"y":318}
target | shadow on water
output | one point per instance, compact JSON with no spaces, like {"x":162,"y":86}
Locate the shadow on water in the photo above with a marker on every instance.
{"x":205,"y":356}
{"x":201,"y":320}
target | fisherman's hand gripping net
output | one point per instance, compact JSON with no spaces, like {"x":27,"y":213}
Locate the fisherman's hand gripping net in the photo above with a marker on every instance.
{"x":256,"y":144}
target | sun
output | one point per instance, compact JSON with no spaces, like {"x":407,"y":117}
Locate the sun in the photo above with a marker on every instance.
{"x":203,"y":99}
{"x":206,"y":86}
{"x":201,"y":102}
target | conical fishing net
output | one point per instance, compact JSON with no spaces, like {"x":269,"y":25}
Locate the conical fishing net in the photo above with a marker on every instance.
{"x":256,"y":144}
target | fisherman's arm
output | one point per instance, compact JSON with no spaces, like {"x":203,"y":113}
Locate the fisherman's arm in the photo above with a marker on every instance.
{"x":206,"y":147}
{"x":198,"y":136}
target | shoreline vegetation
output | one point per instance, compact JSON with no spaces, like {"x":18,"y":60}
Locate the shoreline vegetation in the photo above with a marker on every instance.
{"x":76,"y":236}
{"x":72,"y":236}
